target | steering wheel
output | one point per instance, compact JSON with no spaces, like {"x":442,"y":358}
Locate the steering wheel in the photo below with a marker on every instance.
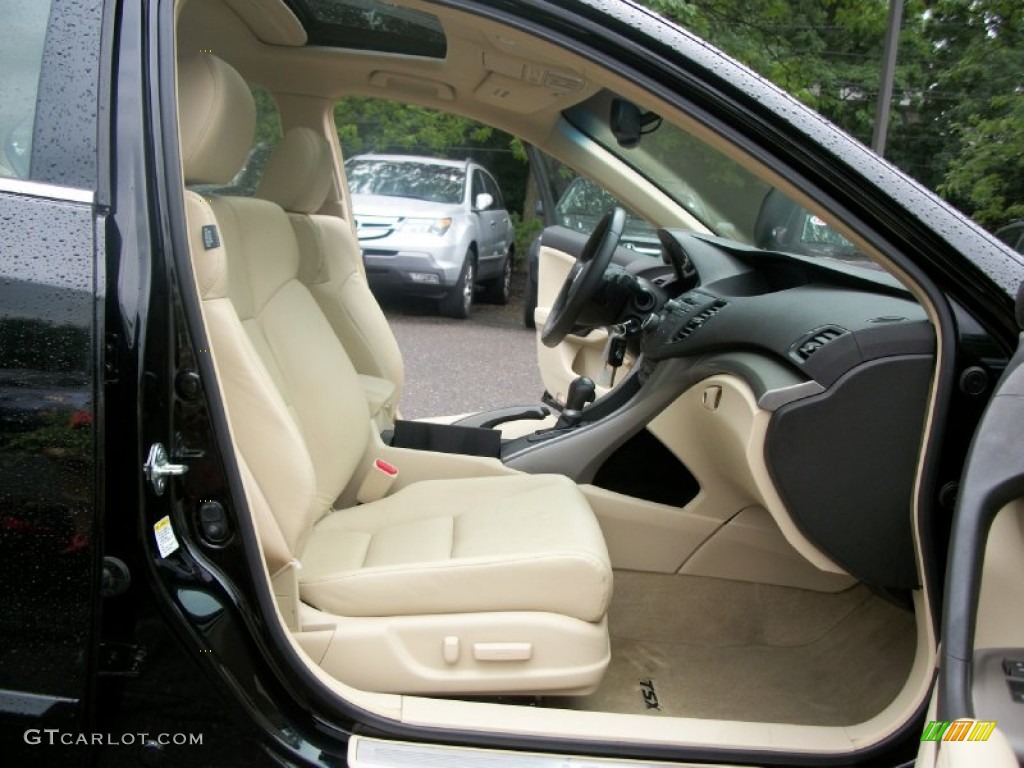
{"x":584,"y":277}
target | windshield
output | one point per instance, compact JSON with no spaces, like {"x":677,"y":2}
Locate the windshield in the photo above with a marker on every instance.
{"x":399,"y":178}
{"x":720,"y":193}
{"x":584,"y":203}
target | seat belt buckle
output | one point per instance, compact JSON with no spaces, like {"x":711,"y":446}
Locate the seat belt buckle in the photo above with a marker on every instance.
{"x":378,"y":481}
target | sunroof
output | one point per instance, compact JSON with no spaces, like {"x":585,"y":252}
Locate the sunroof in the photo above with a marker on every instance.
{"x":369,"y":25}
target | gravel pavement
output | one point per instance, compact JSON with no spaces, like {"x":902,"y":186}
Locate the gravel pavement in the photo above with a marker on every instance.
{"x":464,"y":366}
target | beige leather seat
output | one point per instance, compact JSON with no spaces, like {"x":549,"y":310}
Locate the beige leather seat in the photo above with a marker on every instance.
{"x":299,"y":177}
{"x":485,"y":585}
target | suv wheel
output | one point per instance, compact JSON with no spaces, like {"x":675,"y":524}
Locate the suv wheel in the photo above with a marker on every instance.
{"x":459,"y":301}
{"x":500,"y":288}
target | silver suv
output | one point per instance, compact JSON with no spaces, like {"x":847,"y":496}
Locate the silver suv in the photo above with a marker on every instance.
{"x":434,"y":228}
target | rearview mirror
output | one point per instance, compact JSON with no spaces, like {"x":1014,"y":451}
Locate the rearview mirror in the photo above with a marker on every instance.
{"x":483,"y":201}
{"x":628,"y":123}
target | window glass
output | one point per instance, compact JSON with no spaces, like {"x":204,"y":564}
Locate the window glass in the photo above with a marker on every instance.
{"x":723,"y":195}
{"x":265,"y":139}
{"x":492,"y":188}
{"x":369,"y":25}
{"x":398,"y":177}
{"x":584,"y":203}
{"x":478,"y":187}
{"x":22,"y":36}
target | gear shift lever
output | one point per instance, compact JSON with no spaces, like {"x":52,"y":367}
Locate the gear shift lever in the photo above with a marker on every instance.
{"x":581,"y":392}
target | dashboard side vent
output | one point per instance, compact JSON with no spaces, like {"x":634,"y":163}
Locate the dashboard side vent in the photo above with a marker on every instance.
{"x":698,"y":320}
{"x":814,"y":341}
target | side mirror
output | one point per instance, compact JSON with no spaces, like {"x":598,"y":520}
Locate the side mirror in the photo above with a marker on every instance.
{"x":483,"y":202}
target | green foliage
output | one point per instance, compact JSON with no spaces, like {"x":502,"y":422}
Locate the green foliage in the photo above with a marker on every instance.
{"x":525,"y":230}
{"x":268,"y":122}
{"x":974,"y":107}
{"x":987,"y":176}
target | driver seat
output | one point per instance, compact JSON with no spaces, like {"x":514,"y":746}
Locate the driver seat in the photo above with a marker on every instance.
{"x":299,"y":177}
{"x":485,"y":585}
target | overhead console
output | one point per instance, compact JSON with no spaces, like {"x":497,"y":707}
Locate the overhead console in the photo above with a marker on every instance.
{"x":527,"y":86}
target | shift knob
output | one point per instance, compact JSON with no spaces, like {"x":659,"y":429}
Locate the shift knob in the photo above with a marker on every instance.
{"x":581,"y":392}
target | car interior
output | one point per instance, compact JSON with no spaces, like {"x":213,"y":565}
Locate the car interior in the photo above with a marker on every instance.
{"x":711,"y":544}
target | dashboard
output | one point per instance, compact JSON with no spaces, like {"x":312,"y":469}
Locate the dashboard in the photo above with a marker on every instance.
{"x":854,"y":355}
{"x":822,"y":319}
{"x":837,"y":357}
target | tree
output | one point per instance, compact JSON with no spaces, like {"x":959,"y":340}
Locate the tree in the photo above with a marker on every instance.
{"x":986,"y":178}
{"x":975,"y":105}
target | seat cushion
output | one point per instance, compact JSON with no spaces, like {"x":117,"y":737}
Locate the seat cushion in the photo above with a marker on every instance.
{"x":517,"y":543}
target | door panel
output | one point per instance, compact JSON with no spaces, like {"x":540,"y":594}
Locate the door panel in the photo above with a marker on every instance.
{"x":576,"y":355}
{"x":47,"y":470}
{"x":50,"y":416}
{"x":982,"y":629}
{"x":947,"y":752}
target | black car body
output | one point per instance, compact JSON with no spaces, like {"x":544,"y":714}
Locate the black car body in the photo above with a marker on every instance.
{"x":104,"y":355}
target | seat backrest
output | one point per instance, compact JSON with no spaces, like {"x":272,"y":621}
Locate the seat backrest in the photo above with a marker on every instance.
{"x":294,"y":401}
{"x":298,"y":177}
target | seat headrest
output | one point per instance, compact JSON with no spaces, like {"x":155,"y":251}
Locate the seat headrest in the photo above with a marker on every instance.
{"x":216,"y":119}
{"x":299,"y":172}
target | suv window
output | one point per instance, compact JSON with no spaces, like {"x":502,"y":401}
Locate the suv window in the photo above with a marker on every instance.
{"x":22,"y":38}
{"x":478,"y":187}
{"x":395,"y":177}
{"x":491,"y":187}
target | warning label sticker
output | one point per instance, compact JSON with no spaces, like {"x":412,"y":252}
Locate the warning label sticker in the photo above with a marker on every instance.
{"x":166,"y":541}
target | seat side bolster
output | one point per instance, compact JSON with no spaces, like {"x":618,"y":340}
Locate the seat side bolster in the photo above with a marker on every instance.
{"x":276,"y":551}
{"x":266,"y":434}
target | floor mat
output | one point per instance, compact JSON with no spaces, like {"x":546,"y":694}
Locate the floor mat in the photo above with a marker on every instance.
{"x":688,"y":646}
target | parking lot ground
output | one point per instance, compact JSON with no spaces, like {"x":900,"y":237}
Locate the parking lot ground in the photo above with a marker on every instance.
{"x":464,"y":366}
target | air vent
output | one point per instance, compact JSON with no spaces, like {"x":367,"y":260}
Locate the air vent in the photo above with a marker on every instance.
{"x":698,"y":320}
{"x":803,"y":349}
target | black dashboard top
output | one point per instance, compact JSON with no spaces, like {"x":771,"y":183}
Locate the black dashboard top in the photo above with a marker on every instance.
{"x":820,"y":316}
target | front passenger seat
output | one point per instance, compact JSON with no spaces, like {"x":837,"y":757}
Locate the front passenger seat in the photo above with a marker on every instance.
{"x":489,"y":585}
